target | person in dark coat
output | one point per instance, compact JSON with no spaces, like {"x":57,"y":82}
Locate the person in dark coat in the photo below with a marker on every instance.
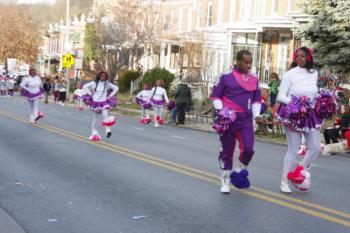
{"x":183,"y":101}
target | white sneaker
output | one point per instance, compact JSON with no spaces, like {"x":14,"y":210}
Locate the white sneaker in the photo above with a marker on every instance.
{"x":285,"y":187}
{"x":225,"y":181}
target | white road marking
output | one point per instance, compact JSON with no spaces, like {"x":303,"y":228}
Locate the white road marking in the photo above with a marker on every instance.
{"x":137,"y":128}
{"x":178,"y":137}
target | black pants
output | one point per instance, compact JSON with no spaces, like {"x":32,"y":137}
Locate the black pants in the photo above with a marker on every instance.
{"x":331,"y":135}
{"x":63,"y":96}
{"x":181,"y":107}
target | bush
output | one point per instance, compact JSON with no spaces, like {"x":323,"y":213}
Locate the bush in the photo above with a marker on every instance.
{"x":124,"y":81}
{"x":151,"y":77}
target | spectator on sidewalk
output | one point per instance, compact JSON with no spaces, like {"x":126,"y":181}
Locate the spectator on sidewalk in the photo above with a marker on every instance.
{"x":183,"y":101}
{"x":47,"y":88}
{"x":341,"y":127}
{"x":62,"y":88}
{"x":56,"y":92}
{"x":274,"y":84}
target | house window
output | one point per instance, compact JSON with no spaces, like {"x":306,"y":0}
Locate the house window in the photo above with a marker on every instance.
{"x":210,"y":14}
{"x":250,"y":42}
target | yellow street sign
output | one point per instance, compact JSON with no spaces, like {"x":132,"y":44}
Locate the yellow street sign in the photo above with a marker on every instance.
{"x":68,"y":61}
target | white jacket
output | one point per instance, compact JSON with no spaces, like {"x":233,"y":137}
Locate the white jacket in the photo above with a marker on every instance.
{"x":101,"y":92}
{"x":298,"y":82}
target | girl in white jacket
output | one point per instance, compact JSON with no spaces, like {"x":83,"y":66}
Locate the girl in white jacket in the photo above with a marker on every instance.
{"x":101,"y":99}
{"x":31,"y":88}
{"x":158,"y":98}
{"x":300,"y":81}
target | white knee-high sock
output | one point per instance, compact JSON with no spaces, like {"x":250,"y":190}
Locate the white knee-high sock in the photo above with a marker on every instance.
{"x":31,"y":109}
{"x":94,"y":122}
{"x":294,"y":139}
{"x":313,"y":143}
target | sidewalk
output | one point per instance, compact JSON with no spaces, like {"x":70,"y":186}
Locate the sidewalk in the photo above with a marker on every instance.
{"x":204,"y":127}
{"x":8,"y":224}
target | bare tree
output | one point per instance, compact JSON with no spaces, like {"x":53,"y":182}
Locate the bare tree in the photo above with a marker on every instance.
{"x":19,"y":37}
{"x":124,"y":29}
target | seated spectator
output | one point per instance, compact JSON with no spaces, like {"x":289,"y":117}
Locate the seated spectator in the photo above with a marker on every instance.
{"x":341,"y":125}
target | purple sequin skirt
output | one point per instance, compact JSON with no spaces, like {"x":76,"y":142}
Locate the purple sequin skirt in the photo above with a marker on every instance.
{"x":157,"y":103}
{"x":32,"y":97}
{"x":305,"y":124}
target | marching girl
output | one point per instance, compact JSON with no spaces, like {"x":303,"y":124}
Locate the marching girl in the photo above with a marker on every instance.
{"x":141,"y":99}
{"x":100,"y":98}
{"x":237,"y":101}
{"x":158,"y":98}
{"x":31,"y":89}
{"x":299,"y":88}
{"x":78,"y":97}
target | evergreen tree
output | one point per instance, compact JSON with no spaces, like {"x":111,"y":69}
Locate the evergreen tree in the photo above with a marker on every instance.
{"x":329,"y":32}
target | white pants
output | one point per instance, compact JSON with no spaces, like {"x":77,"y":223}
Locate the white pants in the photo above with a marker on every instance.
{"x":157,"y":111}
{"x":145,"y":113}
{"x":34,"y":109}
{"x":95,"y":115}
{"x":313,"y":143}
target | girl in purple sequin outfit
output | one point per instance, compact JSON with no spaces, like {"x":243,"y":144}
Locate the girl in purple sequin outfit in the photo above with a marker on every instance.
{"x":237,"y":91}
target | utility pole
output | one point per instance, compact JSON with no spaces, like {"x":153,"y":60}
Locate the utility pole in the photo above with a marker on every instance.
{"x":67,"y":43}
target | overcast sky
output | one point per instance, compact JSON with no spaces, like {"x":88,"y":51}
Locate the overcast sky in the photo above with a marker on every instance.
{"x":35,"y":1}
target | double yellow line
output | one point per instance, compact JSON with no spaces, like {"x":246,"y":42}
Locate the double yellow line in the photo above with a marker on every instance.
{"x":315,"y":210}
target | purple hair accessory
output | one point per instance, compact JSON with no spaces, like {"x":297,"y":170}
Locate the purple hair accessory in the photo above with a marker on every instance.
{"x":326,"y":105}
{"x":223,"y":120}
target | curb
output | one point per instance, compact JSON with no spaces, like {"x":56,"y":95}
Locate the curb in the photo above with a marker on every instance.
{"x":8,"y":224}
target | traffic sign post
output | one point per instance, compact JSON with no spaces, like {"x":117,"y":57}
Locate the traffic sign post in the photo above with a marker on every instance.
{"x":68,"y":61}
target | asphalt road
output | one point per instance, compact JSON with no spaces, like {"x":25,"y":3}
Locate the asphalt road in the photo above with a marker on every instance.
{"x":146,"y":179}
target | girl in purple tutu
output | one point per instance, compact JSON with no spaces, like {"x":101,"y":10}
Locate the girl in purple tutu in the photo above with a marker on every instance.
{"x":100,"y":98}
{"x":297,"y":94}
{"x":158,"y":98}
{"x":31,"y":89}
{"x":141,"y":99}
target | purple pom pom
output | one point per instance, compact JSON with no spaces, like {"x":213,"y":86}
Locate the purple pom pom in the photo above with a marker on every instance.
{"x":146,"y":105}
{"x":87,"y":99}
{"x":240,"y":179}
{"x":112,"y":102}
{"x":171,"y":105}
{"x":326,"y":105}
{"x":223,"y":120}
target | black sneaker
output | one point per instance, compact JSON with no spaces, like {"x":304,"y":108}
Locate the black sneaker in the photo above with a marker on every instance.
{"x":109,"y":134}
